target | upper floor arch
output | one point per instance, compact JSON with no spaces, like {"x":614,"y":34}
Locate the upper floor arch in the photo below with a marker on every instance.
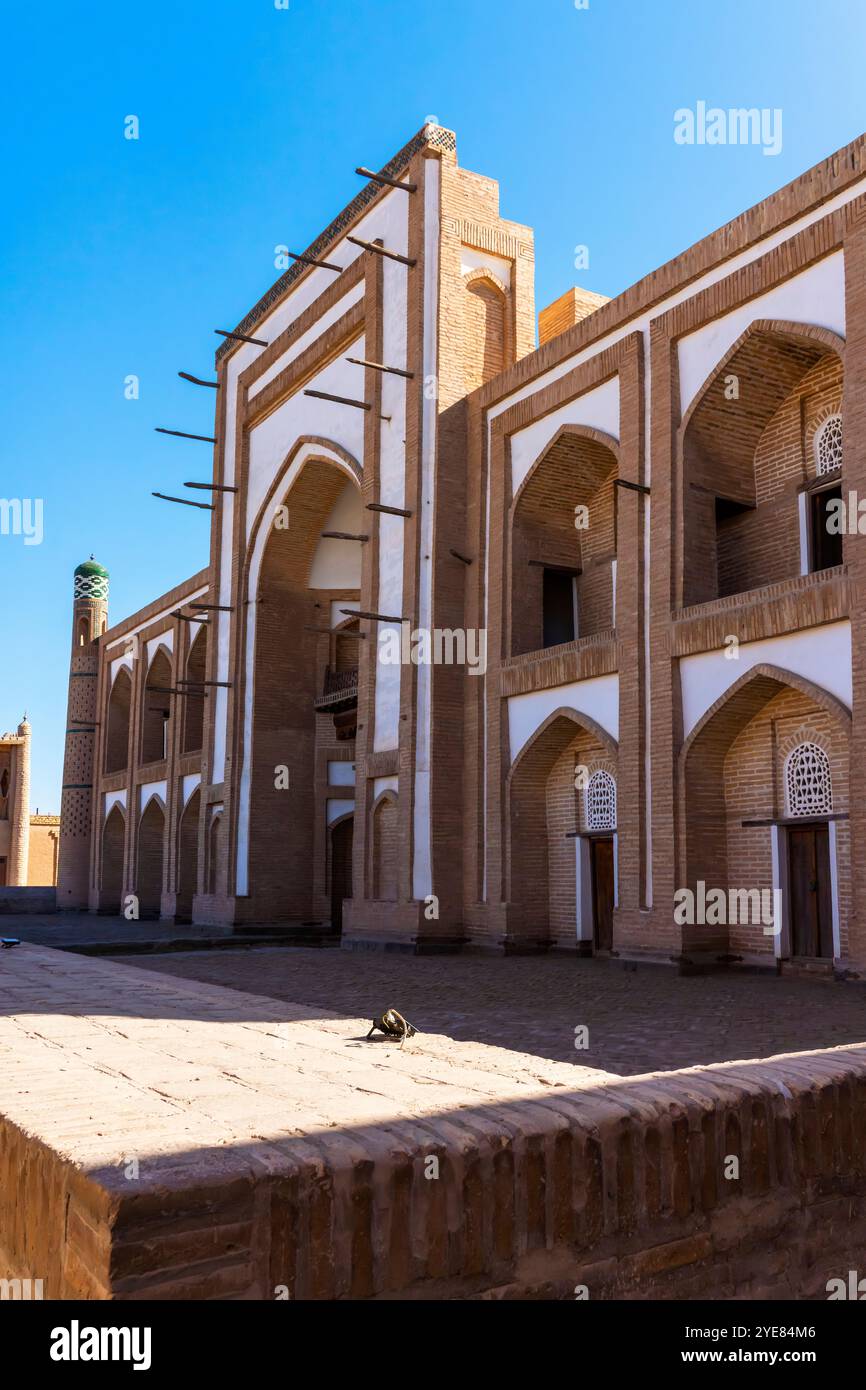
{"x":562,"y":542}
{"x":752,"y":505}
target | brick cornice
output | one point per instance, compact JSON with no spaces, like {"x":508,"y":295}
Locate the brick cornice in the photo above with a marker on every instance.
{"x":798,"y":198}
{"x":483,"y":237}
{"x":158,"y":608}
{"x":751,"y":281}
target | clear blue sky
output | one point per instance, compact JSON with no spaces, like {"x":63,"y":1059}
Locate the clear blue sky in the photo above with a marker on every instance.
{"x":121,"y":257}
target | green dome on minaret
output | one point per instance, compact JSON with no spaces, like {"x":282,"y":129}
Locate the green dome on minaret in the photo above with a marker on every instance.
{"x":91,"y":566}
{"x":91,"y":580}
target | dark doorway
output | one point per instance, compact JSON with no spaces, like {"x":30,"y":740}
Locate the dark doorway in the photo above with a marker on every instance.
{"x":2,"y":873}
{"x":826,"y":544}
{"x":341,"y":870}
{"x":558,"y":601}
{"x":601,"y":855}
{"x":811,"y":903}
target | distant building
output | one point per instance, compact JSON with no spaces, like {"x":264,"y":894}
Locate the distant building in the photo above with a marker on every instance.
{"x":28,"y":844}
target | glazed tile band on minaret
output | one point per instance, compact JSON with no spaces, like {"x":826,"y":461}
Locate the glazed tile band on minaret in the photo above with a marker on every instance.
{"x":89,"y":621}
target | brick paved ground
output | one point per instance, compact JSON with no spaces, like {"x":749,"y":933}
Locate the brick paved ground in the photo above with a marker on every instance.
{"x":639,"y":1021}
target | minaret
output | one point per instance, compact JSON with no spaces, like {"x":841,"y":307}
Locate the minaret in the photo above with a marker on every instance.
{"x":19,"y":847}
{"x":89,"y":621}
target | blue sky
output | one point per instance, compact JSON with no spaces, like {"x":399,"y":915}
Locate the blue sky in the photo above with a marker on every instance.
{"x":121,"y":257}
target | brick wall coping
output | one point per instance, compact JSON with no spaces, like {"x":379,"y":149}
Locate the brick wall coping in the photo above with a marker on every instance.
{"x":437,"y":137}
{"x":758,"y":597}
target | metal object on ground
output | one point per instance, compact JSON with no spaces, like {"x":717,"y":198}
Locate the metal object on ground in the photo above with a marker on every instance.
{"x":393,"y":1025}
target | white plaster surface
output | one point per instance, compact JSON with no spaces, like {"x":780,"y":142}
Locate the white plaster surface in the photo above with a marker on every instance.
{"x":189,"y":785}
{"x":597,"y":697}
{"x":821,"y":654}
{"x":815,"y":296}
{"x":385,"y":784}
{"x":117,"y":798}
{"x":337,"y":564}
{"x":598,"y":409}
{"x":150,"y":789}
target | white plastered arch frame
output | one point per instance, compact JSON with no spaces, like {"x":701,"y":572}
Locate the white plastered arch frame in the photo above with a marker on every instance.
{"x":112,"y":799}
{"x":119,"y":664}
{"x":189,"y":787}
{"x":309,"y":451}
{"x":159,"y":644}
{"x":157,"y":792}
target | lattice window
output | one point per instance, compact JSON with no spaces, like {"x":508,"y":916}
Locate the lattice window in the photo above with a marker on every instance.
{"x":828,"y":445}
{"x":808,"y":783}
{"x":600,"y":797}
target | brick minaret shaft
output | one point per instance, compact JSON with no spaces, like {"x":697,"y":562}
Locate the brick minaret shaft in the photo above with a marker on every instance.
{"x":89,"y":620}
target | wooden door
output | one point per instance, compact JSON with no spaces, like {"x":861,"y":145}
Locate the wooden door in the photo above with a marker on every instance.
{"x":811,"y":902}
{"x":601,"y":851}
{"x":341,"y":869}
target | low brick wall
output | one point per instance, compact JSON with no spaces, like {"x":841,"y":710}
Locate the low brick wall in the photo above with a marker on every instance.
{"x":543,"y":1185}
{"x":621,"y":1190}
{"x":28,"y":900}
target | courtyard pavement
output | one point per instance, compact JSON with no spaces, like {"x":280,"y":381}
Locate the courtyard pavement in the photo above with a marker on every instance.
{"x":642,"y":1020}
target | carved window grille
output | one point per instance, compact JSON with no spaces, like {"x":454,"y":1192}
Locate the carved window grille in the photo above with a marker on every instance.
{"x":807,"y":781}
{"x":600,"y":798}
{"x":828,"y":445}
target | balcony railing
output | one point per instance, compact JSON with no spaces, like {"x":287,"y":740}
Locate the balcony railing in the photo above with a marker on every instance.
{"x":341,"y":690}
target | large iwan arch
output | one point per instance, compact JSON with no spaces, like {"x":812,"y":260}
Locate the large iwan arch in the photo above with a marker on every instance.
{"x":296,"y":579}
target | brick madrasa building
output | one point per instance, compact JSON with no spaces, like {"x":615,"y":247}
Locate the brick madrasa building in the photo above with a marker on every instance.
{"x":502,"y":646}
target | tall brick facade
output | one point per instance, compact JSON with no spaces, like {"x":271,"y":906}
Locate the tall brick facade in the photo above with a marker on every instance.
{"x":621,"y":538}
